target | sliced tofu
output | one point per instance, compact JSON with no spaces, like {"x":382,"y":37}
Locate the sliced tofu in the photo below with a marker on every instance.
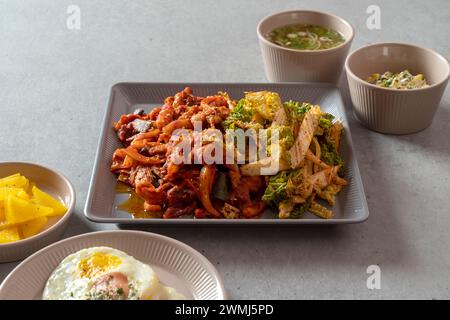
{"x":280,"y":117}
{"x":304,"y":137}
{"x":265,"y":167}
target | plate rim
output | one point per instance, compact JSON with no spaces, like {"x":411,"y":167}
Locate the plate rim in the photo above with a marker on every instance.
{"x":226,"y":222}
{"x":210,"y":268}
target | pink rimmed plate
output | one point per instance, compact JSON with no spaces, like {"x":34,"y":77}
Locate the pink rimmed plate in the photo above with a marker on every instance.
{"x":176,"y":264}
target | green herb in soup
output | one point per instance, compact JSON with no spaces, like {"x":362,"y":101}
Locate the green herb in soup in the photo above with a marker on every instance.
{"x":403,"y":80}
{"x":305,"y":37}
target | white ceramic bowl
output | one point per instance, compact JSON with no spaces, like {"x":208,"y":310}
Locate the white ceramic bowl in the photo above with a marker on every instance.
{"x":389,"y":110}
{"x":56,"y":185}
{"x":176,"y":264}
{"x":290,"y":65}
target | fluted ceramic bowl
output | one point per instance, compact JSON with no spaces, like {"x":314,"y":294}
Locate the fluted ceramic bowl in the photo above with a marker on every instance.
{"x":389,"y":110}
{"x":283,"y":64}
{"x":57,"y":186}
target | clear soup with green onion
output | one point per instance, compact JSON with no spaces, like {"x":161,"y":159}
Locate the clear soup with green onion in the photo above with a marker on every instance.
{"x":305,"y":37}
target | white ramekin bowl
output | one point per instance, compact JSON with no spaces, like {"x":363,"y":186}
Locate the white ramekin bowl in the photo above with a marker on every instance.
{"x":56,"y":185}
{"x":389,"y":110}
{"x":290,"y":65}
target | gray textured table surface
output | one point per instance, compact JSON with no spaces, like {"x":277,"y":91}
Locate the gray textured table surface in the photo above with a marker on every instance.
{"x":54,"y":86}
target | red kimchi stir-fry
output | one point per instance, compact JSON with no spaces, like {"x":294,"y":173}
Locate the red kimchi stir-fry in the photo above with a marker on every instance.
{"x":171,"y":188}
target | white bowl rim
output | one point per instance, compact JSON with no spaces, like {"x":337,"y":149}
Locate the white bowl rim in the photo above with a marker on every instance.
{"x":198,"y":255}
{"x":347,"y":40}
{"x":64,"y":218}
{"x":404,"y":44}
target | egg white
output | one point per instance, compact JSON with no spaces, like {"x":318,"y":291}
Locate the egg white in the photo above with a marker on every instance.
{"x":66,"y":282}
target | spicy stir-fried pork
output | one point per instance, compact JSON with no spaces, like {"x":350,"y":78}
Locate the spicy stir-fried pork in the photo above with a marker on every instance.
{"x":148,"y":161}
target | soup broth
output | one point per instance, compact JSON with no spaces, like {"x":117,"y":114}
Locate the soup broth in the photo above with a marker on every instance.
{"x":305,"y":37}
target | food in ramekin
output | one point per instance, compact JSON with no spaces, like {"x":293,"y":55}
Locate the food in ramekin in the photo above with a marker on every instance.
{"x":25,"y":209}
{"x":104,"y":273}
{"x":389,"y":110}
{"x":310,"y":59}
{"x":402,"y":80}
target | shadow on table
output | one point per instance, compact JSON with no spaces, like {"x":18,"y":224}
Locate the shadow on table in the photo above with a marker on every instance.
{"x":379,"y":240}
{"x":80,"y":224}
{"x":434,"y":139}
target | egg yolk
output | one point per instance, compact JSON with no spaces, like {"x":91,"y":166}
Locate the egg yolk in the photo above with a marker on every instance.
{"x":97,"y":264}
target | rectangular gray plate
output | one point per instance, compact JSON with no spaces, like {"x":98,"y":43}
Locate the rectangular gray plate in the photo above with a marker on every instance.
{"x":351,"y":206}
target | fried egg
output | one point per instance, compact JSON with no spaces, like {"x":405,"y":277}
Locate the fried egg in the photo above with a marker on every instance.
{"x":103,"y":273}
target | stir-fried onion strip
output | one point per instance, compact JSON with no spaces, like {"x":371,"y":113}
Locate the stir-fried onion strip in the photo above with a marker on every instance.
{"x":146,"y":135}
{"x":207,"y":175}
{"x":133,"y":153}
{"x":312,"y":157}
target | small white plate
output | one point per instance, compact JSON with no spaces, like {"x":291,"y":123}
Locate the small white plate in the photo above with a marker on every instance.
{"x":176,"y":264}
